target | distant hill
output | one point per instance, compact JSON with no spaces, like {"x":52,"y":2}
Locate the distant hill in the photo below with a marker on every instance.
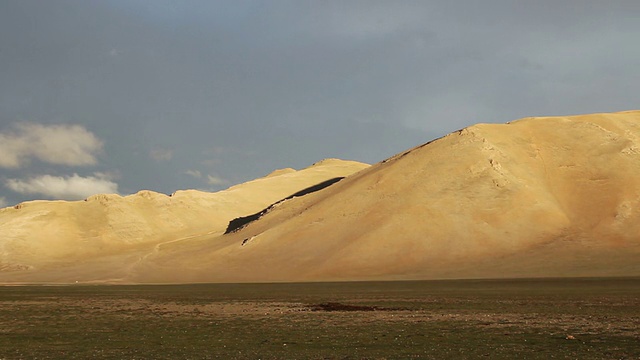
{"x":37,"y":238}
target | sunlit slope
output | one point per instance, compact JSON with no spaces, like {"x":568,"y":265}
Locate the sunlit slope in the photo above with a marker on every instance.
{"x":547,"y":196}
{"x":37,"y":234}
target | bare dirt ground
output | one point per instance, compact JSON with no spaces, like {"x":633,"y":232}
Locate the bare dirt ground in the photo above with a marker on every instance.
{"x":542,"y":319}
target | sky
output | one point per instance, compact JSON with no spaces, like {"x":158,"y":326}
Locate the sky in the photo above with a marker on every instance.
{"x":116,"y":96}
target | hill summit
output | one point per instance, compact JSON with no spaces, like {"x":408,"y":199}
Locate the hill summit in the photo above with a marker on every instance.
{"x":537,"y":197}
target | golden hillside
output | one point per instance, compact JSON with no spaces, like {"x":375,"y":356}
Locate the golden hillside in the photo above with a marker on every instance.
{"x":546,"y":196}
{"x":105,"y":234}
{"x":537,"y":197}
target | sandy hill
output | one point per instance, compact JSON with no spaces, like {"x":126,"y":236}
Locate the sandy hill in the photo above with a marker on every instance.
{"x":105,"y":234}
{"x":546,"y":196}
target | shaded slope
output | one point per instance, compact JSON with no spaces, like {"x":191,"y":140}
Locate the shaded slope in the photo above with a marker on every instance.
{"x":240,"y":222}
{"x":551,"y":196}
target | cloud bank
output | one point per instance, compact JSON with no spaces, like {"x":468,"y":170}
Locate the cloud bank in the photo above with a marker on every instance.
{"x":73,"y":187}
{"x":71,"y":145}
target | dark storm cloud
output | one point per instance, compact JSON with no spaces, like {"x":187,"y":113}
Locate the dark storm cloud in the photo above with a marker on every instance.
{"x":285,"y":83}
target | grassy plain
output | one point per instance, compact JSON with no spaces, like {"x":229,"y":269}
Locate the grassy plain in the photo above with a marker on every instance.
{"x":493,"y":319}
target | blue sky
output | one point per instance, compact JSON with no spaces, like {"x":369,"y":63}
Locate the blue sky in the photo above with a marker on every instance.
{"x":124,"y":95}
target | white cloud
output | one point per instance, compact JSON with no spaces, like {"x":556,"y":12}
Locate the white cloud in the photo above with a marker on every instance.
{"x":161,"y":154}
{"x":194,"y":173}
{"x":55,"y":144}
{"x":3,"y":202}
{"x":73,"y":187}
{"x":216,"y":180}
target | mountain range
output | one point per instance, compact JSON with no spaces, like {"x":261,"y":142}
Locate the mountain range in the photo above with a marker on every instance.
{"x":536,"y":197}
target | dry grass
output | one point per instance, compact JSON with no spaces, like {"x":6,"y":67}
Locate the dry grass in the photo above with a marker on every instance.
{"x":586,"y":319}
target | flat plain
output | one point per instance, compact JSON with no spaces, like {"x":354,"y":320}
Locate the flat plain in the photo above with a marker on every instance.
{"x":586,"y":318}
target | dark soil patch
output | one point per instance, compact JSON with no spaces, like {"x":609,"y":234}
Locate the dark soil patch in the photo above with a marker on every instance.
{"x":335,"y":306}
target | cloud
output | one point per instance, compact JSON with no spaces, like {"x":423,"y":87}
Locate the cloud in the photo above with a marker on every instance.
{"x":73,"y":187}
{"x":216,"y":180}
{"x":71,"y":145}
{"x":194,"y":173}
{"x":3,"y":202}
{"x":161,"y":154}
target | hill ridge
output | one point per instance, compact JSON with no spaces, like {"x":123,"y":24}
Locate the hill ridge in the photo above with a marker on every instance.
{"x":543,"y":196}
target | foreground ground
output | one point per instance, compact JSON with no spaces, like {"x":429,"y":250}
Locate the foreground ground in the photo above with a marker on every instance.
{"x":530,"y":319}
